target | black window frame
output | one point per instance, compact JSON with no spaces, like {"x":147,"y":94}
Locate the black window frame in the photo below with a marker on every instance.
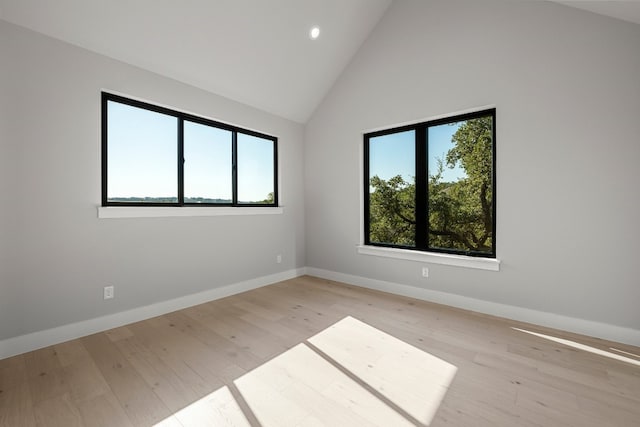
{"x":421,"y":184}
{"x":181,"y":118}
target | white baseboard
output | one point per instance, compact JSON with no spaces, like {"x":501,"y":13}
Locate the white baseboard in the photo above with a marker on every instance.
{"x":570,"y":324}
{"x":33,"y":341}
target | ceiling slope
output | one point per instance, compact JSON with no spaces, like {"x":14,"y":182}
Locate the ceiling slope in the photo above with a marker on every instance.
{"x":626,"y":10}
{"x":256,"y":52}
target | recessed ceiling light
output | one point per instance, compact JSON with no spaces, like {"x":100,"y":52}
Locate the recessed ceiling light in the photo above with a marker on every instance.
{"x":314,"y":33}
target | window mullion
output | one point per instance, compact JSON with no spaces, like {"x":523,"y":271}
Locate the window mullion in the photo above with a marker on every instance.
{"x":275,"y":173}
{"x":493,"y":180}
{"x":105,"y":151}
{"x":180,"y":161}
{"x":234,"y":168}
{"x":367,"y":193}
{"x":422,"y":213}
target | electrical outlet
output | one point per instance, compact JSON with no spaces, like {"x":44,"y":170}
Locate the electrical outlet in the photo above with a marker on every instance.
{"x":108,"y":292}
{"x":278,"y":258}
{"x":425,"y":271}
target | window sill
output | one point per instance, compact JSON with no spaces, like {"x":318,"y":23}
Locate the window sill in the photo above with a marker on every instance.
{"x":491,"y":264}
{"x":172,"y":211}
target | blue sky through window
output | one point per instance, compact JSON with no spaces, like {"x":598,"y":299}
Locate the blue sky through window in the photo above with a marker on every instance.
{"x":143,"y":158}
{"x":439,"y":144}
{"x":394,"y":154}
{"x":255,"y":168}
{"x":207,"y":162}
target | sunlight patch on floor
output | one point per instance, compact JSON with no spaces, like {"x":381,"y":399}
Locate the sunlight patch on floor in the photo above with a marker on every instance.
{"x":350,"y":374}
{"x":216,"y":409}
{"x":412,"y":379}
{"x":583,"y":347}
{"x":299,"y":387}
{"x":625,"y":352}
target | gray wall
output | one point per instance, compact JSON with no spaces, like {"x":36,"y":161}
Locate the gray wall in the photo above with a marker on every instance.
{"x":55,"y":254}
{"x":566,"y":84}
{"x":7,"y":181}
{"x":566,"y":87}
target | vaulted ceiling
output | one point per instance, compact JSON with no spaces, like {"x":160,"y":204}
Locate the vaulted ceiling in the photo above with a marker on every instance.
{"x":257,"y":52}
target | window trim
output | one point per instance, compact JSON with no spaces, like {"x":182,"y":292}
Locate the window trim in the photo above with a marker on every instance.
{"x":423,"y":252}
{"x":480,"y":263}
{"x":181,"y":118}
{"x":111,"y":212}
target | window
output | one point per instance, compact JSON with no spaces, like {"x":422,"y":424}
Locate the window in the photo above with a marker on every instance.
{"x":154,"y":156}
{"x":431,"y":186}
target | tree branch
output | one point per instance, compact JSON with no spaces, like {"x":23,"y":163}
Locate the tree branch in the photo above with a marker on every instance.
{"x":453,"y":235}
{"x":486,"y":209}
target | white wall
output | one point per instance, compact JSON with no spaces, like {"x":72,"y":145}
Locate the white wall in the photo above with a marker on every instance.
{"x":568,"y":97}
{"x":55,"y":254}
{"x":566,"y":84}
{"x":7,"y":181}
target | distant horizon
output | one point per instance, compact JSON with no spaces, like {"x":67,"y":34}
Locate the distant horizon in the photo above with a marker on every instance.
{"x":173,"y":199}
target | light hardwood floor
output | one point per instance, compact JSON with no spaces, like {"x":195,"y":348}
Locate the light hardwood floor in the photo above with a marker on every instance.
{"x":312,"y":352}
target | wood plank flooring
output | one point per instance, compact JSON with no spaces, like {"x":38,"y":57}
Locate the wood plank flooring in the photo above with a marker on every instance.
{"x":312,"y":352}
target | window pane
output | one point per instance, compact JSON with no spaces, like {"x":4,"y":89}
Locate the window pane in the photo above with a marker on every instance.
{"x":255,"y":169}
{"x":142,"y":155}
{"x":460,"y":194}
{"x":207,"y":166}
{"x":392,"y":189}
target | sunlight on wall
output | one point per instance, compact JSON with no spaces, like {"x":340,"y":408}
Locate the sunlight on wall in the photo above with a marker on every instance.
{"x":584,"y":347}
{"x":348,"y":374}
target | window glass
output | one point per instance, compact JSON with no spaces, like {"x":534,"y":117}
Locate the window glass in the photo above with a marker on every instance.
{"x":207,"y":164}
{"x":255,"y":170}
{"x":460,"y":185}
{"x":142,"y":155}
{"x":392,"y":189}
{"x":431,"y":186}
{"x":154,"y":156}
